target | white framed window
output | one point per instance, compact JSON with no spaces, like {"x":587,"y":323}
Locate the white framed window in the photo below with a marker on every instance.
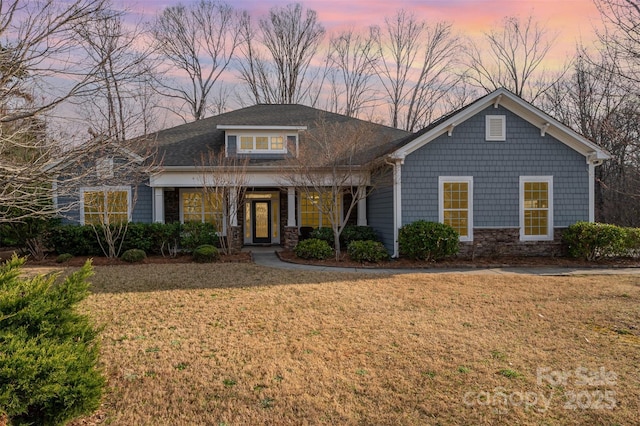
{"x":495,"y":128}
{"x":105,"y":205}
{"x":315,"y":209}
{"x":104,"y":168}
{"x":204,"y":207}
{"x":263,"y":143}
{"x":536,"y":208}
{"x":455,"y":204}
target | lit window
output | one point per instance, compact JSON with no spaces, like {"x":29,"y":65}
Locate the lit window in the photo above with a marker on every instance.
{"x":536,"y":222}
{"x":315,"y":209}
{"x":456,"y":199}
{"x":246,"y":142}
{"x":263,"y":143}
{"x":276,"y":142}
{"x":105,"y":206}
{"x":203,"y":207}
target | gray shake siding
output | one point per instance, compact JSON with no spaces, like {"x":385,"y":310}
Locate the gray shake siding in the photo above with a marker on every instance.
{"x":142,"y":209}
{"x":380,"y":209}
{"x":496,"y":168}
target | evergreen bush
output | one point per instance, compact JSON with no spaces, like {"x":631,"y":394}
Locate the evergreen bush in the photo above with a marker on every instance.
{"x":133,"y":255}
{"x":48,"y":372}
{"x":206,"y":254}
{"x":591,"y":241}
{"x":367,"y":251}
{"x":313,"y":248}
{"x":428,"y":240}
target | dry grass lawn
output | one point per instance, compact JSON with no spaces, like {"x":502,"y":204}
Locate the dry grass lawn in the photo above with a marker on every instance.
{"x":238,"y":344}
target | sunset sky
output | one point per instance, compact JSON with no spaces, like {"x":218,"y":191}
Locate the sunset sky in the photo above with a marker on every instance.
{"x":573,"y":20}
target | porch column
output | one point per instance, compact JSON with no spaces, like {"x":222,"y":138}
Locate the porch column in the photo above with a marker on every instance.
{"x":158,"y":205}
{"x":291,"y":207}
{"x":291,"y":230}
{"x":233,"y":206}
{"x":362,"y":206}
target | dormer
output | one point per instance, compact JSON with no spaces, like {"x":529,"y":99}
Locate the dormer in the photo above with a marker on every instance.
{"x":261,"y":141}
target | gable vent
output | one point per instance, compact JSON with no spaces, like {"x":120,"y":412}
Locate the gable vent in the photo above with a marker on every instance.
{"x":496,"y":128}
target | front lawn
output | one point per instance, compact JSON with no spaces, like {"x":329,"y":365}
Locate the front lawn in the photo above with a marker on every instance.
{"x":238,"y":344}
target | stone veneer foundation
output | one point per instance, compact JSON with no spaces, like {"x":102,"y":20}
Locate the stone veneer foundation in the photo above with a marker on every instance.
{"x":506,"y":242}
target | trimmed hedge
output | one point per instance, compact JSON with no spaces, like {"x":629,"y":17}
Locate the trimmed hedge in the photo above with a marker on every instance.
{"x":428,"y":240}
{"x":48,"y":361}
{"x":593,"y":241}
{"x":349,"y":233}
{"x":367,"y":251}
{"x":313,"y":248}
{"x":153,"y":238}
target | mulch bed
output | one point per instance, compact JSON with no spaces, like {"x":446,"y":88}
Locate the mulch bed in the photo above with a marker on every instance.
{"x":478,"y":262}
{"x":346,"y":262}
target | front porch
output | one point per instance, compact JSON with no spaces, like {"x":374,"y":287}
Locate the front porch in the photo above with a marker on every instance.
{"x":255,"y":216}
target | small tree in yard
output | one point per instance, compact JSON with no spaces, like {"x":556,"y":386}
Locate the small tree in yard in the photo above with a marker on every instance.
{"x":48,"y":351}
{"x":224,"y":181}
{"x":333,"y":170}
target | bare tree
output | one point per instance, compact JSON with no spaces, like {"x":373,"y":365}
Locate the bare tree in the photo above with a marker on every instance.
{"x":352,"y":63}
{"x":119,"y":101}
{"x":276,"y":57}
{"x":37,"y":44}
{"x":333,"y":170}
{"x":416,"y":68}
{"x":512,"y":57}
{"x":603,"y":106}
{"x":113,"y":109}
{"x":200,"y":40}
{"x":224,"y":183}
{"x":622,"y":34}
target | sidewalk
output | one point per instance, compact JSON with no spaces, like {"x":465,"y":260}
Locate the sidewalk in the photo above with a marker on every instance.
{"x":266,"y":256}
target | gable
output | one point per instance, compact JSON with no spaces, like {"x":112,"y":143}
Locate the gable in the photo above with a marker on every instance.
{"x":544,"y":124}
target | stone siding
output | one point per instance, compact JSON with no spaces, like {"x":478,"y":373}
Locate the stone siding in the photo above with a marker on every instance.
{"x":506,"y":242}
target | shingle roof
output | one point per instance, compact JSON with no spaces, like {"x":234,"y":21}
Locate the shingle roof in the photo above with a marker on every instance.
{"x":185,"y":144}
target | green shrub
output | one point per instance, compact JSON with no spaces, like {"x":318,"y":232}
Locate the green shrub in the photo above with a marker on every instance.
{"x":592,"y":241}
{"x":357,"y":233}
{"x":633,"y":241}
{"x":313,"y":248}
{"x":64,"y":257}
{"x":162,"y":236}
{"x":428,"y":240}
{"x":133,"y":255}
{"x":49,"y":352}
{"x":75,"y":239}
{"x":205,"y":254}
{"x":195,"y":234}
{"x":367,"y":251}
{"x":324,"y":234}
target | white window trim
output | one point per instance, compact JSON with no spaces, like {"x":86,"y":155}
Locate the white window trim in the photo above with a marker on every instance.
{"x":284,"y":137}
{"x":457,"y":179}
{"x":200,"y":191}
{"x":549,"y":236}
{"x":503,"y":136}
{"x":105,"y":189}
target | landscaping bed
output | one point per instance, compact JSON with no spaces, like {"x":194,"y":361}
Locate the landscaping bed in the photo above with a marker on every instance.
{"x":455,"y":262}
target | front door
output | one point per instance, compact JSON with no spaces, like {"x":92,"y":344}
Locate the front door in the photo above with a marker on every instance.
{"x":261,"y":215}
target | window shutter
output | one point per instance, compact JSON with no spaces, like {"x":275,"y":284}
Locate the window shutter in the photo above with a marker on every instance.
{"x":496,"y":128}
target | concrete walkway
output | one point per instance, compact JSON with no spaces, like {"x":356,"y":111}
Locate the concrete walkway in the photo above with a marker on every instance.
{"x":266,"y":256}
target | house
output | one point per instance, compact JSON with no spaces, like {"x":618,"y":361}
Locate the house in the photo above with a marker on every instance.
{"x":508,"y":177}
